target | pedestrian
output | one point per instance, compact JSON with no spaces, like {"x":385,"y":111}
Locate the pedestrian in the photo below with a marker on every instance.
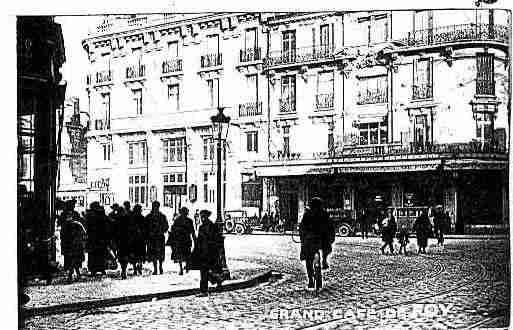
{"x":126,"y":235}
{"x":402,"y":237}
{"x":313,"y":231}
{"x":265,"y":222}
{"x":365,"y":220}
{"x":181,"y":237}
{"x":97,"y":238}
{"x":140,"y":230}
{"x":115,"y":216}
{"x":157,"y":227}
{"x":439,"y":226}
{"x":206,"y":254}
{"x":73,"y":240}
{"x":388,"y":231}
{"x":197,"y":221}
{"x":69,"y":213}
{"x":127,"y":207}
{"x":422,"y":227}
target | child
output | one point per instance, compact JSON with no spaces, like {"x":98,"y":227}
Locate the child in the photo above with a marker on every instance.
{"x":402,"y":236}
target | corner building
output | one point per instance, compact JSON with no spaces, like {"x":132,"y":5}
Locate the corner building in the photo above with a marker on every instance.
{"x":405,"y":109}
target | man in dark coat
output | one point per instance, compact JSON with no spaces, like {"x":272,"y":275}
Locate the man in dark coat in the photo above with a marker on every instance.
{"x":365,"y":221}
{"x":157,"y":227}
{"x":73,"y":239}
{"x":315,"y":234}
{"x":97,"y":238}
{"x":439,"y":224}
{"x":182,"y":235}
{"x":422,"y":226}
{"x":127,"y":237}
{"x":206,"y":253}
{"x":140,"y":232}
{"x":388,"y":232}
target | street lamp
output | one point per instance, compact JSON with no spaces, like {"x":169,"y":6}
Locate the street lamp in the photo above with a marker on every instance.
{"x":220,"y":125}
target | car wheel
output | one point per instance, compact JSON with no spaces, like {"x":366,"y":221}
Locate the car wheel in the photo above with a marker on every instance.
{"x":239,"y":229}
{"x":344,"y":230}
{"x":229,"y":225}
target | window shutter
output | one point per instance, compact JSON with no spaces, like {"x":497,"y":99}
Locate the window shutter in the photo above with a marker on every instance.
{"x":256,"y":141}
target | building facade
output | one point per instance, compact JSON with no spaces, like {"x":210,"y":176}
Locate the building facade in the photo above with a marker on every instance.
{"x":406,"y":109}
{"x":72,"y":126}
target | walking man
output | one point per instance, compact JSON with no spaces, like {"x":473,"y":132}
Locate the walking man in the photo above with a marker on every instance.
{"x":157,"y":227}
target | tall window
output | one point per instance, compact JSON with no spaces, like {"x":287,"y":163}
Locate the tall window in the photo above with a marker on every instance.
{"x":213,"y":92}
{"x":325,"y":38}
{"x":173,"y":49}
{"x":286,"y":141}
{"x":173,"y":150}
{"x":107,"y":149}
{"x":289,"y":45}
{"x":288,"y":94}
{"x":373,"y":90}
{"x":324,"y":97}
{"x":137,"y":100}
{"x":373,"y":133}
{"x":484,"y":127}
{"x":251,"y":39}
{"x":205,"y":187}
{"x":208,"y":148}
{"x":374,"y":28}
{"x":423,"y":79}
{"x":137,"y":189}
{"x":213,"y":44}
{"x":173,"y":94}
{"x":137,"y":153}
{"x":106,"y":109}
{"x":423,"y":25}
{"x":485,"y":81}
{"x":421,"y":130}
{"x":252,"y":87}
{"x":252,"y":141}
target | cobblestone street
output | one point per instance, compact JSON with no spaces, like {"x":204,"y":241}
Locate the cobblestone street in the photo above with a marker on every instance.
{"x":469,"y":277}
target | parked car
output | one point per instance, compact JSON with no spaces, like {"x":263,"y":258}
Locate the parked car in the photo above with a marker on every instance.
{"x":344,"y":223}
{"x":238,"y":221}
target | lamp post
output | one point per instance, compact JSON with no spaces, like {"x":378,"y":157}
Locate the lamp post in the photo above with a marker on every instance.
{"x":220,"y":124}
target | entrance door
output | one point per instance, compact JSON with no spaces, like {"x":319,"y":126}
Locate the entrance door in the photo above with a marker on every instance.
{"x":289,"y":209}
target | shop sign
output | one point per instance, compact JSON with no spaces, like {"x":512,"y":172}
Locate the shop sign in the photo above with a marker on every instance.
{"x":176,"y":189}
{"x":102,"y":184}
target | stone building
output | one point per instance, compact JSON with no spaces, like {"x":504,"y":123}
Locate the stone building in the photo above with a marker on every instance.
{"x":402,"y":109}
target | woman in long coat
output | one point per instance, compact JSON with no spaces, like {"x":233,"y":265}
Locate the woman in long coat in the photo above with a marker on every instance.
{"x":182,"y":235}
{"x":206,"y":253}
{"x":422,"y":226}
{"x":157,"y":227}
{"x":140,"y":229}
{"x":73,"y":241}
{"x":97,"y":238}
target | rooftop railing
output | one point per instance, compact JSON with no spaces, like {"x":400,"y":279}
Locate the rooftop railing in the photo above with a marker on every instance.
{"x":455,"y":33}
{"x":300,"y":55}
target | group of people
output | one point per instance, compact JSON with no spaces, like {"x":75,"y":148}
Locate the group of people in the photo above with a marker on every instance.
{"x":422,"y":227}
{"x":126,"y":236}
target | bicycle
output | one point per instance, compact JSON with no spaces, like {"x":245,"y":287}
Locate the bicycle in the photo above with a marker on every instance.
{"x":316,"y":265}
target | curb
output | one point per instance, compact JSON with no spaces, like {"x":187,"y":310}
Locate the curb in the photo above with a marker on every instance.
{"x":110,"y":302}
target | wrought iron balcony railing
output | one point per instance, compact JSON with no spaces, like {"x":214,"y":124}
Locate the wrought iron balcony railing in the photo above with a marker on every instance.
{"x":300,"y":55}
{"x":135,"y":71}
{"x":210,"y":60}
{"x":455,"y":33}
{"x":422,"y":92}
{"x":103,"y":76}
{"x":173,"y":65}
{"x":324,"y":101}
{"x":250,"y":54}
{"x":101,"y":124}
{"x":288,"y":105}
{"x":250,"y":109}
{"x":282,"y":155}
{"x":372,"y":96}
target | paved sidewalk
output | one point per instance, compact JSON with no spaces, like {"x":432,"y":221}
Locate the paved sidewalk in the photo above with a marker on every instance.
{"x":111,"y":286}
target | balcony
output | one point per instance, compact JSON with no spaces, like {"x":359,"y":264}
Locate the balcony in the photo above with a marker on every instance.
{"x":211,"y":60}
{"x":300,"y":55}
{"x":250,"y":109}
{"x":372,"y":96}
{"x":422,"y":92}
{"x":287,"y":105}
{"x":457,"y":33}
{"x":103,"y":77}
{"x":282,"y":155}
{"x":324,"y":102}
{"x":170,"y":66}
{"x":135,"y":72}
{"x":250,"y":55}
{"x":485,"y":87}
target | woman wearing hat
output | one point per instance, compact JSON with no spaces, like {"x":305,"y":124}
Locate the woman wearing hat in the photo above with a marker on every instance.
{"x":181,"y":237}
{"x":206,"y":252}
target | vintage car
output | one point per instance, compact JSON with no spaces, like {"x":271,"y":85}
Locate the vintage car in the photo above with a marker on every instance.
{"x":238,"y":221}
{"x":345,"y":225}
